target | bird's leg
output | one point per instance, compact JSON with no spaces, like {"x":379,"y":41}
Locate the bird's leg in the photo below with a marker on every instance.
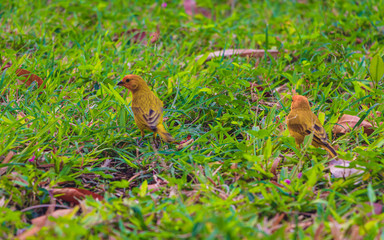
{"x":140,"y":141}
{"x":154,"y":140}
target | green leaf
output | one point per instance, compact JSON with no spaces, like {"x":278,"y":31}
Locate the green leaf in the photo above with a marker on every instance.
{"x":109,"y":88}
{"x":207,"y":90}
{"x":122,"y":117}
{"x":308,"y":140}
{"x":202,"y":59}
{"x":377,"y":68}
{"x":321,"y":117}
{"x":371,"y":193}
{"x":143,"y":189}
{"x":268,"y":149}
{"x":170,"y":85}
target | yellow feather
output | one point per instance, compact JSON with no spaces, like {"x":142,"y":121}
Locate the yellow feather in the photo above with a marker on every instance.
{"x":301,"y":121}
{"x":147,"y":108}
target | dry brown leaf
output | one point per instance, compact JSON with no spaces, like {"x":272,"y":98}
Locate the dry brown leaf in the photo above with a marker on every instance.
{"x":348,"y":122}
{"x":254,"y":53}
{"x":275,"y":165}
{"x":276,"y":221}
{"x":303,"y":225}
{"x":377,"y":208}
{"x":280,"y":123}
{"x":159,"y":183}
{"x":234,"y":166}
{"x":342,"y":172}
{"x":29,"y":77}
{"x":355,"y":233}
{"x":28,"y":233}
{"x":282,"y":89}
{"x":73,"y":195}
{"x":7,"y":65}
{"x":17,"y":177}
{"x":153,"y":187}
{"x":372,"y":115}
{"x":42,"y":221}
{"x":191,"y":9}
{"x":277,"y":184}
{"x":319,"y":231}
{"x":6,"y":160}
{"x":335,"y":229}
{"x":185,"y":143}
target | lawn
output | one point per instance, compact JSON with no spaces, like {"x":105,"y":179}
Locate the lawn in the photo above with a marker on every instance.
{"x":70,"y":163}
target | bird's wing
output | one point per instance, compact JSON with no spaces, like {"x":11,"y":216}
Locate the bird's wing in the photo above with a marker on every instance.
{"x":307,"y":126}
{"x":296,"y":124}
{"x":148,"y":109}
{"x":319,"y":134}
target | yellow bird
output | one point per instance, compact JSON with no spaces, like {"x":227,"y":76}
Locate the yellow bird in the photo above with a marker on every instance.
{"x":301,"y":121}
{"x":147,"y":108}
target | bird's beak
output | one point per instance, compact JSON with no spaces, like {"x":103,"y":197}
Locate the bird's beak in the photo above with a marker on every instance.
{"x":120,"y":83}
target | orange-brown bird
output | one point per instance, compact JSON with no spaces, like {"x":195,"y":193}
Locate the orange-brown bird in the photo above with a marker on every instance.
{"x":146,"y":107}
{"x":302,"y":121}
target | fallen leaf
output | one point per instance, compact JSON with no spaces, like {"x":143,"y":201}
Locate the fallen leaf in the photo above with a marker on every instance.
{"x":355,"y":233}
{"x":7,"y":65}
{"x":191,"y":9}
{"x":372,"y":114}
{"x":255,"y":53}
{"x":302,"y":225}
{"x":335,"y":228}
{"x":234,"y":166}
{"x":344,"y":172}
{"x":6,"y":160}
{"x":185,"y":143}
{"x":281,"y":89}
{"x":373,"y":117}
{"x":73,"y":195}
{"x":377,"y":208}
{"x":154,"y":187}
{"x":276,"y":221}
{"x":348,"y":122}
{"x":277,"y":184}
{"x":27,"y":75}
{"x":275,"y":165}
{"x":17,"y":179}
{"x":43,"y":221}
{"x":319,"y":231}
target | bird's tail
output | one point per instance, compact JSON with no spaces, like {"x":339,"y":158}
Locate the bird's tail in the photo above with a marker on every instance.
{"x":164,"y":134}
{"x":330,"y":150}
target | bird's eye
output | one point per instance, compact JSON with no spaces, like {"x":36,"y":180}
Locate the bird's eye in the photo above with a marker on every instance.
{"x":127,"y":81}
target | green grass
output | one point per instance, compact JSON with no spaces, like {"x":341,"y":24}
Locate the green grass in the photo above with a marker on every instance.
{"x":221,"y":185}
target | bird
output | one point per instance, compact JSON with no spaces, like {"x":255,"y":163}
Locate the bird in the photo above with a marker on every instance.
{"x":301,"y":121}
{"x":147,"y":108}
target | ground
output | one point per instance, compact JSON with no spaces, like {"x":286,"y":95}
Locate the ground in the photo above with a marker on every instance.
{"x":68,"y":131}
